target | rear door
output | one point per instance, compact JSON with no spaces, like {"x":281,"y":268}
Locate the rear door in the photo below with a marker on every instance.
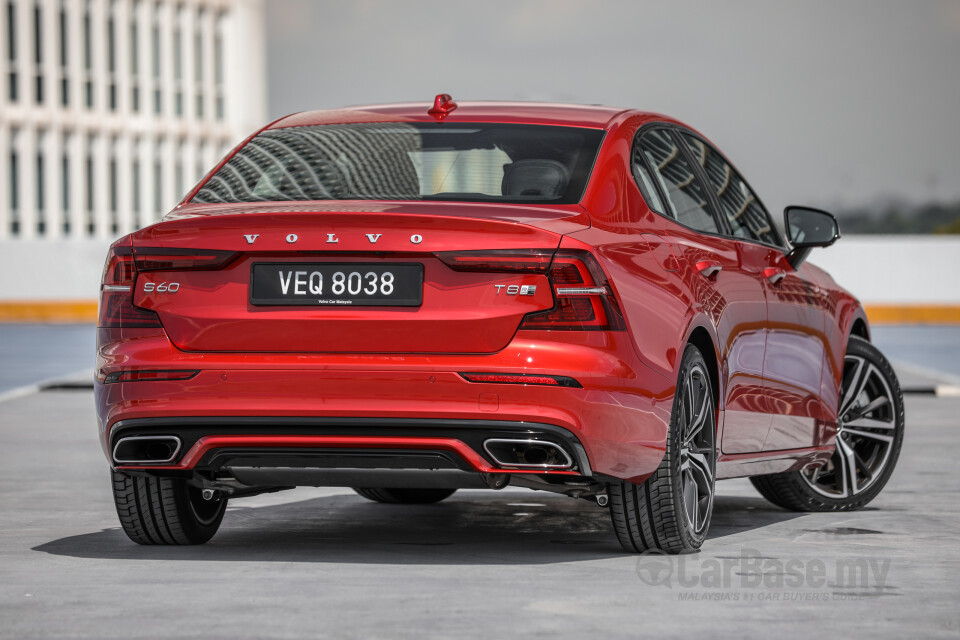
{"x":795,"y":352}
{"x":724,"y":275}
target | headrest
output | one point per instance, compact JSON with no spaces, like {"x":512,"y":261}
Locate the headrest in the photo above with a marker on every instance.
{"x":546,"y":178}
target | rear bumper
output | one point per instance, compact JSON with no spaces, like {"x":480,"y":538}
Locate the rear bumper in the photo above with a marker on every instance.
{"x":234,"y":454}
{"x":445,"y":453}
{"x":614,"y":426}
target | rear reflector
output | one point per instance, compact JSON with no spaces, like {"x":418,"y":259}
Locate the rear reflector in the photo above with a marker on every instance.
{"x":522,"y":378}
{"x":153,"y":375}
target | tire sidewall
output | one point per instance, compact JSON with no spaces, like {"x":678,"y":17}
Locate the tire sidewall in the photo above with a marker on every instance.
{"x":691,"y":539}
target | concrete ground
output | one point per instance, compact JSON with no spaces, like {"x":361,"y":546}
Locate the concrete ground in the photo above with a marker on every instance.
{"x":328,"y":564}
{"x":37,"y":353}
{"x":934,"y":349}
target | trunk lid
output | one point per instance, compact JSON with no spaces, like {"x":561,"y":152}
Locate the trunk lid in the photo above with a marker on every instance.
{"x":459,"y":311}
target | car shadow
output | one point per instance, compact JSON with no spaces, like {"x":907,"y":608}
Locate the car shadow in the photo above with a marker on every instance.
{"x":476,"y":528}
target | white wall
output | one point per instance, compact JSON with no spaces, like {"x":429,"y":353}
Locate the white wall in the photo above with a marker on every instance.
{"x":877,"y":269}
{"x":51,"y":269}
{"x":895,"y":269}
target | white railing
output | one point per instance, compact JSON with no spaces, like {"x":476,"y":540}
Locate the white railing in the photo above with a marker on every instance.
{"x":900,"y":269}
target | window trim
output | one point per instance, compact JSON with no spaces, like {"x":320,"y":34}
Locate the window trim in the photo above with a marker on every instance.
{"x":714,"y":205}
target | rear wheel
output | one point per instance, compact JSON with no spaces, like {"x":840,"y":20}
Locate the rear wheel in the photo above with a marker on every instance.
{"x":671,"y":510}
{"x":165,"y":510}
{"x":869,"y":436}
{"x":406,"y":496}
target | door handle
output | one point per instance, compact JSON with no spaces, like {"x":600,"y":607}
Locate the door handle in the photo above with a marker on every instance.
{"x":774,"y":275}
{"x":709,"y":268}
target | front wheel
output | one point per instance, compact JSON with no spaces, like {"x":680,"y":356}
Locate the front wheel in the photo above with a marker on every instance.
{"x":671,"y":511}
{"x":869,"y":435}
{"x":165,"y":510}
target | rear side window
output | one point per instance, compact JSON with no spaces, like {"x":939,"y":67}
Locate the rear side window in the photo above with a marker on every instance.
{"x":409,"y":161}
{"x":744,"y":213}
{"x":645,"y":181}
{"x":686,"y":201}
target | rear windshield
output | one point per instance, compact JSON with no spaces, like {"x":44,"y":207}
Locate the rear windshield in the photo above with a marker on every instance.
{"x":409,"y":161}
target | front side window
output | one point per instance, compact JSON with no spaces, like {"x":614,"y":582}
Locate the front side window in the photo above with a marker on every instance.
{"x":685,"y":200}
{"x":409,"y":161}
{"x":744,"y":213}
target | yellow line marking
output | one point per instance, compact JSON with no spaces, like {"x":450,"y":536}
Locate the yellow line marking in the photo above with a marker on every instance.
{"x":913,"y":314}
{"x":86,"y":311}
{"x":48,"y":311}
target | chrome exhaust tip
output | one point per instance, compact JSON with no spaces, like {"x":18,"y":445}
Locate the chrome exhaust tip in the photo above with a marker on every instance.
{"x":527,"y":454}
{"x":146,"y":449}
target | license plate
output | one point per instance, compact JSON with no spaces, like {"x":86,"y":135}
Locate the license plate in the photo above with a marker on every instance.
{"x":347,"y":284}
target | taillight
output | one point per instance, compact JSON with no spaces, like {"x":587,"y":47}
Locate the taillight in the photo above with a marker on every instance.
{"x":158,"y":259}
{"x":499,"y":261}
{"x":584,"y":298}
{"x":117,"y":310}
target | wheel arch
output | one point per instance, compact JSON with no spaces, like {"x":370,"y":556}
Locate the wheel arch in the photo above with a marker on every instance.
{"x":703,"y":339}
{"x":859,"y":327}
{"x":849,"y":315}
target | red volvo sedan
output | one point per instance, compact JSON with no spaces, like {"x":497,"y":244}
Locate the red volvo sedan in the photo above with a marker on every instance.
{"x":412,"y":299}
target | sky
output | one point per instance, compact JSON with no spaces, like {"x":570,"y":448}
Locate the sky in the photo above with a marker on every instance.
{"x":826,"y":103}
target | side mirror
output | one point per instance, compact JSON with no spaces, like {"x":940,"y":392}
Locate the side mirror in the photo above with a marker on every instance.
{"x":808,"y":228}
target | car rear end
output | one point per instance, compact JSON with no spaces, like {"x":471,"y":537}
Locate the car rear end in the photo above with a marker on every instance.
{"x":306,"y":321}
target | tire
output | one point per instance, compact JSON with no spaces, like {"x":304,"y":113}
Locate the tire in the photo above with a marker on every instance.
{"x":165,"y":510}
{"x":406,"y":496}
{"x":868,"y":441}
{"x":671,"y":511}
